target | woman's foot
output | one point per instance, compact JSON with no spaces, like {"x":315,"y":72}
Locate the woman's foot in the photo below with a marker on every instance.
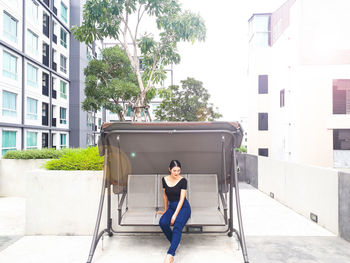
{"x":169,"y":259}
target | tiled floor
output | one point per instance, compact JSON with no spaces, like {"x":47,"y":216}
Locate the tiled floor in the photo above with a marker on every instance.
{"x":274,"y":233}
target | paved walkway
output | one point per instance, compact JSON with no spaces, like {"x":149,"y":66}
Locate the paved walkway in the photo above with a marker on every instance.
{"x":274,"y":233}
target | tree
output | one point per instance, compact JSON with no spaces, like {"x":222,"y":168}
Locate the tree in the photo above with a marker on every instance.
{"x":113,"y":19}
{"x":110,"y":81}
{"x":189,"y":103}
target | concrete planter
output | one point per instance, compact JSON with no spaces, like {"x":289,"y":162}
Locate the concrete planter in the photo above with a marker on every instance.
{"x":63,"y":202}
{"x":13,"y":175}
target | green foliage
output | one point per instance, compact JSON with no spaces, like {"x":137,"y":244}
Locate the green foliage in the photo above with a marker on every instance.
{"x":189,"y":103}
{"x":242,"y":149}
{"x":45,"y":153}
{"x":110,"y":19}
{"x":109,"y":79}
{"x":77,"y":159}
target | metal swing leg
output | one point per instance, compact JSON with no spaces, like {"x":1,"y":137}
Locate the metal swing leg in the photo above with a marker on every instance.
{"x":240,"y":235}
{"x":96,"y":236}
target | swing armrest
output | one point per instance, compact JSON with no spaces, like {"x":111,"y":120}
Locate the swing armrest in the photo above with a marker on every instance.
{"x":223,"y":201}
{"x":120,"y":206}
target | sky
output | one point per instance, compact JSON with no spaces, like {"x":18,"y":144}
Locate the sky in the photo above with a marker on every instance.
{"x":221,"y":61}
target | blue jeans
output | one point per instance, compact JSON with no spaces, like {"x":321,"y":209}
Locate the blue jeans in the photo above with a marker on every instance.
{"x":174,"y":236}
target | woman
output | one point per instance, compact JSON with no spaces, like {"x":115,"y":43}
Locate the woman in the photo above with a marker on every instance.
{"x":179,"y":211}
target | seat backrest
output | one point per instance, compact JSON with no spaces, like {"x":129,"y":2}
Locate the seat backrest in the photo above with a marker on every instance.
{"x":142,"y":190}
{"x":160,"y":189}
{"x":203,"y":190}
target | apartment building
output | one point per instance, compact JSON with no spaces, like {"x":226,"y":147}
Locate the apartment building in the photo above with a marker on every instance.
{"x":34,"y":74}
{"x":299,"y":83}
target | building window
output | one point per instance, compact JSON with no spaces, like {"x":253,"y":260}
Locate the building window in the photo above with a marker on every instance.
{"x":89,"y":55}
{"x":99,"y":122}
{"x":341,"y":96}
{"x":263,"y":84}
{"x":90,"y":140}
{"x":63,"y":64}
{"x":8,"y":141}
{"x":63,"y":12}
{"x":341,"y":139}
{"x":264,"y":152}
{"x":63,"y":115}
{"x":89,"y":121}
{"x":282,"y":98}
{"x":63,"y":89}
{"x":46,"y":24}
{"x":9,"y":65}
{"x":263,"y":121}
{"x":32,"y":140}
{"x":10,"y":27}
{"x":32,"y":76}
{"x":63,"y":143}
{"x":32,"y":109}
{"x":32,"y":42}
{"x":63,"y":38}
{"x":259,"y":31}
{"x":9,"y":104}
{"x":32,"y":11}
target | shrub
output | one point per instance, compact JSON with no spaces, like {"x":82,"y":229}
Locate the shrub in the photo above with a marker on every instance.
{"x":45,"y":153}
{"x":77,"y":159}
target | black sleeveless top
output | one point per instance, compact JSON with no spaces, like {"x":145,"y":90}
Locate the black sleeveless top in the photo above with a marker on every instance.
{"x":173,"y":193}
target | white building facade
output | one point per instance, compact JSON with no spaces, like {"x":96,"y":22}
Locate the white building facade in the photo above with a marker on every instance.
{"x":34,"y":74}
{"x":299,"y":83}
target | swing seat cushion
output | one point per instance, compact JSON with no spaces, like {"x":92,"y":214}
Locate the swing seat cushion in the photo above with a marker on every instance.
{"x":145,"y":195}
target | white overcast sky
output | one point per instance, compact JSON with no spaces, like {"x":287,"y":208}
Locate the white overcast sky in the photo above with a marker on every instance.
{"x":221,"y":61}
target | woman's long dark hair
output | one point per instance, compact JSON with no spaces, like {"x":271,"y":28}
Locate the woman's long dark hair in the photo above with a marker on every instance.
{"x":174,"y":163}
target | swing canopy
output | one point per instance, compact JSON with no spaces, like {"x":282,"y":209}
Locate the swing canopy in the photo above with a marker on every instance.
{"x":148,"y":148}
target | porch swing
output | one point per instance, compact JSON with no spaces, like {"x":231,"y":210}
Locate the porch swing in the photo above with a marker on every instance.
{"x":136,"y":158}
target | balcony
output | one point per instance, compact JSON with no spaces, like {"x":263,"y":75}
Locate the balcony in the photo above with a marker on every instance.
{"x":45,"y":91}
{"x":45,"y":121}
{"x":54,"y":38}
{"x":54,"y":94}
{"x":54,"y":66}
{"x":53,"y":122}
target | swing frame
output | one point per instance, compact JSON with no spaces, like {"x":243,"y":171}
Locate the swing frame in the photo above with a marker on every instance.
{"x":232,"y":129}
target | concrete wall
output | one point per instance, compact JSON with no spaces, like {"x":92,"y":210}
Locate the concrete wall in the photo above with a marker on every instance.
{"x":248,"y":165}
{"x":344,"y":205}
{"x":13,"y":175}
{"x":306,"y":189}
{"x":63,"y":202}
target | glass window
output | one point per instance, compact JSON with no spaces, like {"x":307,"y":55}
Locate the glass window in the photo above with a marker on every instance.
{"x":263,"y":84}
{"x":32,"y":42}
{"x":263,"y":121}
{"x":63,"y":12}
{"x":8,"y":141}
{"x":63,"y":38}
{"x":10,"y":27}
{"x":32,"y":140}
{"x":99,"y":122}
{"x":32,"y":11}
{"x":32,"y":76}
{"x":63,"y":117}
{"x":63,"y":89}
{"x":9,"y":104}
{"x":32,"y":109}
{"x":9,"y":65}
{"x":63,"y":138}
{"x":63,"y":64}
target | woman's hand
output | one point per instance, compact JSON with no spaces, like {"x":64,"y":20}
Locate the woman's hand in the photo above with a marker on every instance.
{"x":173,"y":218}
{"x":161,"y":212}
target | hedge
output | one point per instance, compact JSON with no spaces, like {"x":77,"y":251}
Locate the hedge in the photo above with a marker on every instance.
{"x":45,"y":153}
{"x":77,"y":159}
